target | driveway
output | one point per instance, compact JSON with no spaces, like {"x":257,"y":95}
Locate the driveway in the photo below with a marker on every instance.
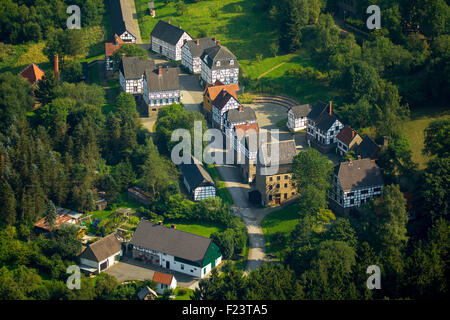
{"x":191,"y":92}
{"x":130,"y":10}
{"x":129,"y":269}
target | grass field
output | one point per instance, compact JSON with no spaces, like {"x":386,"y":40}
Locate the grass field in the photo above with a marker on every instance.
{"x":414,"y":130}
{"x":204,"y":229}
{"x":186,"y":296}
{"x":283,"y":220}
{"x":239,"y":27}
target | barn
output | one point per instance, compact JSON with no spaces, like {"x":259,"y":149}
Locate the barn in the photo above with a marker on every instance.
{"x":101,"y":255}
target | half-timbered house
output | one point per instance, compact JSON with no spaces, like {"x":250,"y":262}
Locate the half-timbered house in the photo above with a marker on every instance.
{"x":197,"y":180}
{"x":219,"y":63}
{"x":131,"y":74}
{"x":110,"y":48}
{"x":356,"y":182}
{"x":161,"y":87}
{"x":122,"y":21}
{"x":212,"y":91}
{"x":168,"y":39}
{"x":191,"y":53}
{"x":298,"y":117}
{"x":224,"y":102}
{"x":322,"y":125}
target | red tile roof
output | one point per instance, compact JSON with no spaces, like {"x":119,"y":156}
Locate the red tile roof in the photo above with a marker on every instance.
{"x":346,"y":135}
{"x":113,"y":46}
{"x":215,"y":89}
{"x":32,"y":73}
{"x":162,"y":278}
{"x":242,"y":129}
{"x":60,"y":219}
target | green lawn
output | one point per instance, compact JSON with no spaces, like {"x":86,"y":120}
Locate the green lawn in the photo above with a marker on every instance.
{"x":204,"y":229}
{"x":283,"y":220}
{"x":186,"y":296}
{"x":222,"y":190}
{"x":414,"y":130}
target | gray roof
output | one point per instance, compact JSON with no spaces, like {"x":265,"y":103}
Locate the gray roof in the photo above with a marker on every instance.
{"x":321,"y":116}
{"x":301,"y":110}
{"x":222,"y":54}
{"x":358,"y":174}
{"x":145,"y":291}
{"x":134,"y":67}
{"x":121,"y":17}
{"x":167,"y":32}
{"x":175,"y":242}
{"x":286,"y":152}
{"x":241,"y":115}
{"x":168,"y":80}
{"x":367,"y":148}
{"x":196,"y":175}
{"x":102,"y":249}
{"x":203,"y":43}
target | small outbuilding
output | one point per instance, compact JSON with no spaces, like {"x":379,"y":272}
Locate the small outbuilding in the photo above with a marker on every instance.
{"x":101,"y":254}
{"x":164,"y":281}
{"x":147,"y":293}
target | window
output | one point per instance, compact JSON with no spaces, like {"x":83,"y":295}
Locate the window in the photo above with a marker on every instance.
{"x":285,"y":195}
{"x":218,"y":63}
{"x":231,"y":62}
{"x":377,"y":189}
{"x":352,"y":201}
{"x":350,"y":194}
{"x":182,"y":267}
{"x":278,"y":186}
{"x":270,"y":179}
{"x":364,"y":191}
{"x":270,"y":197}
{"x":285,"y":185}
{"x":286,"y":177}
{"x":278,"y":178}
{"x":270,"y":187}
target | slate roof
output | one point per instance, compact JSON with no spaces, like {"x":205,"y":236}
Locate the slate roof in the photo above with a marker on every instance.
{"x":219,"y":53}
{"x":347,"y":135}
{"x":168,"y":80}
{"x":368,"y":148}
{"x":162,"y":278}
{"x":145,"y":291}
{"x":222,"y":99}
{"x":102,"y":249}
{"x":203,"y":43}
{"x":195,"y":174}
{"x":301,"y":110}
{"x":167,"y":32}
{"x":121,"y":17}
{"x":32,"y":73}
{"x":321,"y":116}
{"x":241,"y":115}
{"x":286,"y":151}
{"x":357,"y":174}
{"x":134,"y":67}
{"x":175,"y":242}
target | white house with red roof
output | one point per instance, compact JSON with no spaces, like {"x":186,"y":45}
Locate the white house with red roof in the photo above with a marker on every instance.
{"x":164,"y":281}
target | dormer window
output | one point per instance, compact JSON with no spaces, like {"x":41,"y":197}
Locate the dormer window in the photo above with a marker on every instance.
{"x":231,"y":62}
{"x":218,"y":63}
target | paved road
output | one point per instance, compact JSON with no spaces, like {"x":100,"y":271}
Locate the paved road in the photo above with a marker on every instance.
{"x":130,"y":10}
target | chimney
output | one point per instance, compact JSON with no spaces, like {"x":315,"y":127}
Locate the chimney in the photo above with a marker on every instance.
{"x":160,"y":70}
{"x":353,"y":133}
{"x":197,"y":41}
{"x":174,"y":226}
{"x":56,"y":67}
{"x":331,"y":108}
